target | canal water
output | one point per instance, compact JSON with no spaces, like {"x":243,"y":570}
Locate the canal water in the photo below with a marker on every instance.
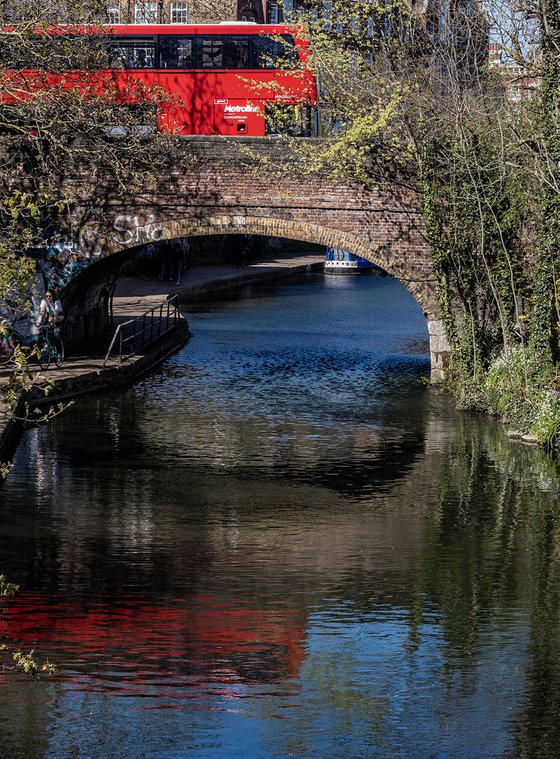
{"x":283,"y":543}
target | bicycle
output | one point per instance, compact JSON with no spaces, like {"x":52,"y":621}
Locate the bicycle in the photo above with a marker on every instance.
{"x":49,"y":348}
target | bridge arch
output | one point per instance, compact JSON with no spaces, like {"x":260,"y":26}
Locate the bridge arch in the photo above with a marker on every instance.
{"x":125,"y":240}
{"x":267,"y":226}
{"x":210,"y":185}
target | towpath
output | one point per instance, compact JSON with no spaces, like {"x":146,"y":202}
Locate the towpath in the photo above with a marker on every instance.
{"x":135,"y":296}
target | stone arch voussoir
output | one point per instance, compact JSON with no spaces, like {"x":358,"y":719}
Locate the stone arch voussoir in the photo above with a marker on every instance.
{"x":231,"y":224}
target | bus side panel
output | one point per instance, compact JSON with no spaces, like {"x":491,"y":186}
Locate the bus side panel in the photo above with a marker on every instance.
{"x":187,"y":102}
{"x":209,"y":103}
{"x":234,"y":116}
{"x":222,"y":102}
{"x":179,"y":107}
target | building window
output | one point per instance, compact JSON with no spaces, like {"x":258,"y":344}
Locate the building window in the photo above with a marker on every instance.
{"x":114,"y":15}
{"x":250,"y":10}
{"x":288,"y":10}
{"x":178,"y":12}
{"x":145,"y":13}
{"x":515,"y":93}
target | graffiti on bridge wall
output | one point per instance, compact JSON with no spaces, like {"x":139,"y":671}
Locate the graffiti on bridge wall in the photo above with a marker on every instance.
{"x":126,"y":230}
{"x":132,"y":231}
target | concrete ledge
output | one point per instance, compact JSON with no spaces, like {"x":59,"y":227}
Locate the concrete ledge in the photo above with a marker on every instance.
{"x":116,"y":373}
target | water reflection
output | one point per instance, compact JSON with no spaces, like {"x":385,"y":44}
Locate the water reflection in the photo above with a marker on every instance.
{"x":226,"y":561}
{"x":192,"y":642}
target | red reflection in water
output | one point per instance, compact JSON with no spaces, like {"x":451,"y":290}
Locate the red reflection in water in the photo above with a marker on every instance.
{"x":199,"y":642}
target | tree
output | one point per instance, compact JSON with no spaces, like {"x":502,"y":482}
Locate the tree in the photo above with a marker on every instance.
{"x":545,"y":311}
{"x":410,"y":87}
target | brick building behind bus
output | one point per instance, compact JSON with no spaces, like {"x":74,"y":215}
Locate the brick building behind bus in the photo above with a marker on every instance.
{"x":171,"y":11}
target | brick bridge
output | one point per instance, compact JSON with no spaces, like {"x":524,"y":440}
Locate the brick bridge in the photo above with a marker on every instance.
{"x":213,"y":190}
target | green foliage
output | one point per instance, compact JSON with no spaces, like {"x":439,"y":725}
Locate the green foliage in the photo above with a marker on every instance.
{"x":525,"y":399}
{"x":546,"y":419}
{"x":7,"y":589}
{"x":27,"y":664}
{"x":504,"y":384}
{"x":477,"y":251}
{"x":502,"y":390}
{"x":15,"y":279}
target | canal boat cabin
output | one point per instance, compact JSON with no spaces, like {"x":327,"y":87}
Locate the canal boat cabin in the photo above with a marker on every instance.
{"x":339,"y":261}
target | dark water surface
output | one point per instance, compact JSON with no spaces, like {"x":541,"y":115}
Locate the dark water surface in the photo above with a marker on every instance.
{"x":284,"y":544}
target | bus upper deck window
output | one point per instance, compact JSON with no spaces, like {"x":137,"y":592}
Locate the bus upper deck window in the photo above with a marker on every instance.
{"x":176,"y":52}
{"x":222,"y":52}
{"x":130,"y":53}
{"x":210,"y":52}
{"x":236,"y":53}
{"x":274,"y":53}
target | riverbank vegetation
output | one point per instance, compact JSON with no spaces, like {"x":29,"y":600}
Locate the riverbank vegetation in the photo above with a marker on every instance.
{"x":479,"y":140}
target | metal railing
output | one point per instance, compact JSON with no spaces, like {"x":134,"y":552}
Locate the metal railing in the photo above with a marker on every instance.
{"x":134,"y":335}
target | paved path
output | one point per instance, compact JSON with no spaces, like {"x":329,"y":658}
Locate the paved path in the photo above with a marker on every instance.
{"x":135,"y":296}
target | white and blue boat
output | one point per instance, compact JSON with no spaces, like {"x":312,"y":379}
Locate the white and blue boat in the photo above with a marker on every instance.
{"x":338,"y":261}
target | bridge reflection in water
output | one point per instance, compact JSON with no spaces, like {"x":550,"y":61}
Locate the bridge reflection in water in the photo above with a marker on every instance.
{"x":284,"y":543}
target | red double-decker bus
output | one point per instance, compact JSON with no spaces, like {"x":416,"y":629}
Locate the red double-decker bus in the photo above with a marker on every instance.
{"x":214,"y":79}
